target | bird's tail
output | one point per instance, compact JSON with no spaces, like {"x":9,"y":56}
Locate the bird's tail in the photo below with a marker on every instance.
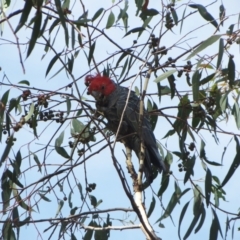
{"x":152,"y":157}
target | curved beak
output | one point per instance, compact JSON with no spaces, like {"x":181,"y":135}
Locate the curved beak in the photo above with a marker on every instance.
{"x":96,"y":94}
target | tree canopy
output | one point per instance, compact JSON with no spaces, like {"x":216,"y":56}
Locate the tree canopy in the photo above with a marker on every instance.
{"x":63,"y":174}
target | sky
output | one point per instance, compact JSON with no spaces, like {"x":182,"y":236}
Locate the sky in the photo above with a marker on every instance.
{"x":100,"y":169}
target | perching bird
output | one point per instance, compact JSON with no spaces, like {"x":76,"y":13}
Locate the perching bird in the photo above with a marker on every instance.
{"x":111,"y":100}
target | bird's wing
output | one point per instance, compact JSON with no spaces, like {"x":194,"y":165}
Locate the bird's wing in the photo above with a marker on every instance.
{"x":131,"y":117}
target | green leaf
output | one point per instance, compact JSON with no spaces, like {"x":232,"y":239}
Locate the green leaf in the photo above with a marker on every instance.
{"x":60,"y":205}
{"x":208,"y":186}
{"x":164,"y":184}
{"x":223,"y":101}
{"x":73,"y":36}
{"x":5,"y":99}
{"x":171,"y":80}
{"x":195,"y":85}
{"x":35,"y":32}
{"x":18,"y":107}
{"x":231,"y":71}
{"x":70,"y":63}
{"x":30,"y":112}
{"x":222,"y":13}
{"x":79,"y":112}
{"x":169,"y":133}
{"x":6,"y":192}
{"x":7,"y":231}
{"x":73,"y":211}
{"x":134,"y":30}
{"x":68,"y":105}
{"x":80,"y":190}
{"x":97,"y":14}
{"x":66,"y":4}
{"x":207,"y":79}
{"x":25,"y":13}
{"x":15,"y":216}
{"x":12,"y":104}
{"x":70,"y":199}
{"x":150,"y":12}
{"x":77,"y":126}
{"x":220,"y":52}
{"x":227,"y":227}
{"x":193,"y":223}
{"x":91,"y":51}
{"x":8,"y":123}
{"x":26,"y":82}
{"x":153,"y":117}
{"x":204,"y":45}
{"x":164,"y":75}
{"x":55,"y":23}
{"x":19,"y":199}
{"x":205,"y":14}
{"x":89,"y":233}
{"x":18,"y":162}
{"x":151,"y":208}
{"x":35,"y":157}
{"x":124,"y":68}
{"x":59,"y":140}
{"x":183,"y":17}
{"x":7,"y":150}
{"x":61,"y":151}
{"x":44,"y":26}
{"x":197,"y":191}
{"x":203,"y":216}
{"x":7,"y":3}
{"x":124,"y":54}
{"x":181,"y":217}
{"x":235,"y":164}
{"x":111,"y":20}
{"x":177,"y":194}
{"x":230,"y":30}
{"x":13,"y":178}
{"x":55,"y":74}
{"x":93,"y":200}
{"x":62,"y":19}
{"x":99,"y":202}
{"x":44,"y":197}
{"x":52,"y":62}
{"x":3,"y":104}
{"x":190,"y":164}
{"x":215,"y":227}
{"x":139,"y":5}
{"x":171,"y":205}
{"x":212,"y":163}
{"x":236,"y":113}
{"x":175,"y":16}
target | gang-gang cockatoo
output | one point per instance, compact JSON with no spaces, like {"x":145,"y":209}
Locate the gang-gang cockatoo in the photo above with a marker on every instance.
{"x":111,"y":100}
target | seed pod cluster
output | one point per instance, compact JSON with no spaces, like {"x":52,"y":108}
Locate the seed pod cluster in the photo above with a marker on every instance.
{"x":169,"y":21}
{"x":50,"y":115}
{"x":198,"y":112}
{"x":19,"y":124}
{"x":183,"y":166}
{"x":186,"y":68}
{"x":43,"y":100}
{"x":8,"y":140}
{"x":26,"y":94}
{"x":210,"y":105}
{"x":91,"y":187}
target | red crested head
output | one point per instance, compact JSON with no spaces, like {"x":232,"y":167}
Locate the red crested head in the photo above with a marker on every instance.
{"x":99,"y":86}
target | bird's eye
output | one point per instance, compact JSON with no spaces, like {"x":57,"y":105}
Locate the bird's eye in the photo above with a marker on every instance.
{"x":103,"y":87}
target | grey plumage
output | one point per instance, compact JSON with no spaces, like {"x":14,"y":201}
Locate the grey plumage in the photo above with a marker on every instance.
{"x":112,"y":106}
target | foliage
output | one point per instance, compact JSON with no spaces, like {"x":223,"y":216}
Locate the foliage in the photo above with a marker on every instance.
{"x":193,"y":90}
